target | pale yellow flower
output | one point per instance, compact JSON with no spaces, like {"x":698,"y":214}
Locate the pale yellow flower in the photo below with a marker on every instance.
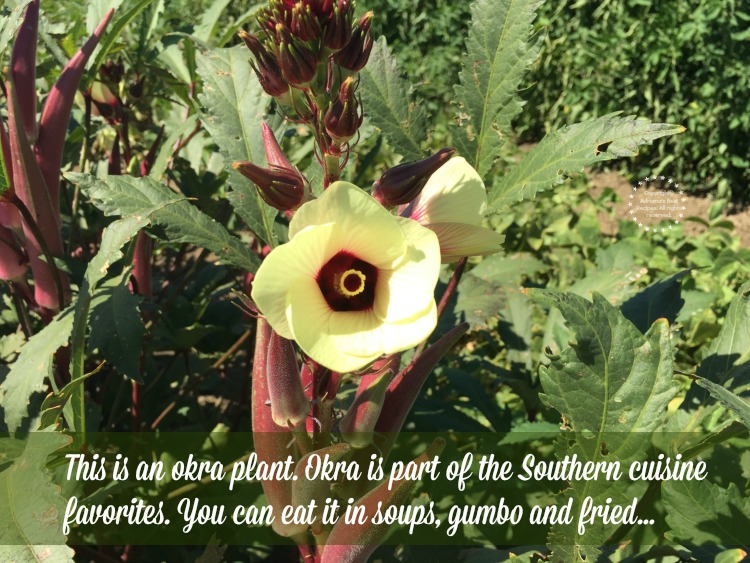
{"x":452,"y":204}
{"x":353,"y":282}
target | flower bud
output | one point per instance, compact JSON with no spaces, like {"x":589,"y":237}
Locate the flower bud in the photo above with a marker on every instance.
{"x":355,"y":54}
{"x":265,"y":66}
{"x":135,"y":88}
{"x":304,"y":23}
{"x":282,"y":188}
{"x":338,"y":29}
{"x":402,"y":183}
{"x":322,"y":7}
{"x":112,"y":72}
{"x":298,"y":63}
{"x":343,"y":118}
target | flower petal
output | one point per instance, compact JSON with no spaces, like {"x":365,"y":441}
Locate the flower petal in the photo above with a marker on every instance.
{"x":348,"y":341}
{"x":396,"y":337}
{"x":285,"y":266}
{"x":455,"y":193}
{"x":459,"y":239}
{"x":407,"y":290}
{"x":367,"y":229}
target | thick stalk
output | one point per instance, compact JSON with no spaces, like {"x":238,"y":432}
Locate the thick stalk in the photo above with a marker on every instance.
{"x":144,"y":246}
{"x":331,"y":169}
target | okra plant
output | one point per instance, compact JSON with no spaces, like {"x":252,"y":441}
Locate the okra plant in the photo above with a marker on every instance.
{"x":290,"y":189}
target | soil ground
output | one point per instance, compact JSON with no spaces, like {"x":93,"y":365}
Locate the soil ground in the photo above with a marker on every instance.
{"x":695,"y":207}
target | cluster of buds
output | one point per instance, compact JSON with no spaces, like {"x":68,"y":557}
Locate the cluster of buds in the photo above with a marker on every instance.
{"x":307,"y":56}
{"x":114,"y":93}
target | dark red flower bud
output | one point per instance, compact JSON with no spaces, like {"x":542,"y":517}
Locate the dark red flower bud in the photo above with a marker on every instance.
{"x":298,"y":63}
{"x":343,"y":118}
{"x":282,"y":188}
{"x":265,"y":66}
{"x":112,"y":72}
{"x":356,"y":53}
{"x":135,"y":89}
{"x":402,"y":183}
{"x":305,"y":24}
{"x":338,"y":29}
{"x":321,"y":7}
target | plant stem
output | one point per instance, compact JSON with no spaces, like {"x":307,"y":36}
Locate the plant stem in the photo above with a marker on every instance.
{"x":331,"y":169}
{"x":23,"y":314}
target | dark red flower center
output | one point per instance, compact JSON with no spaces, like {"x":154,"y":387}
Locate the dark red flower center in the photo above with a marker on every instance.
{"x":348,"y":283}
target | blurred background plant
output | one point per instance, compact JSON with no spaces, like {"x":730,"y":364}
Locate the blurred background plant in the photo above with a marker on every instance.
{"x":682,"y":62}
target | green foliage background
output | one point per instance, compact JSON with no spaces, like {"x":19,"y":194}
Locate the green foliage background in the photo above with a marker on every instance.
{"x":683,"y":61}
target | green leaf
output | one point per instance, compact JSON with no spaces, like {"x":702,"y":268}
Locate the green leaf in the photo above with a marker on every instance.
{"x":613,"y":385}
{"x":234,"y":104}
{"x":728,"y":399}
{"x":96,"y":11}
{"x":661,"y":299}
{"x":570,"y":149}
{"x":705,"y":517}
{"x":729,"y":353}
{"x":181,"y":221}
{"x":114,"y":237}
{"x":33,"y":366}
{"x":206,"y":29}
{"x":385,"y":98}
{"x":113,"y":32}
{"x":55,"y":402}
{"x":484,"y":290}
{"x":498,"y":51}
{"x":9,"y":21}
{"x":116,"y":326}
{"x":32,"y":506}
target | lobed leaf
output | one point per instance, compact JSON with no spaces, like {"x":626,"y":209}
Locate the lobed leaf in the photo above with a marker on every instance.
{"x":114,"y":238}
{"x":498,"y":51}
{"x":117,"y":28}
{"x":613,"y":385}
{"x":34,"y":364}
{"x":234,"y":104}
{"x":705,"y":517}
{"x":661,"y":299}
{"x":385,"y":98}
{"x":32,"y":505}
{"x":729,"y":353}
{"x":181,"y":221}
{"x":570,"y":149}
{"x":116,"y":328}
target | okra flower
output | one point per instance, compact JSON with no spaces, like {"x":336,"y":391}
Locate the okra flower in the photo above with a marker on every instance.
{"x":452,"y":204}
{"x":353,"y":282}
